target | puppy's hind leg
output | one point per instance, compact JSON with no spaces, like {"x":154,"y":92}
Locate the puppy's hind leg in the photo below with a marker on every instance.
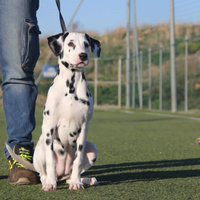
{"x":90,"y":156}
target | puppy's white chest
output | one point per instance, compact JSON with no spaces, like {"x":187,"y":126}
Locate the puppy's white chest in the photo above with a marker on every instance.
{"x":75,"y":108}
{"x":75,"y":100}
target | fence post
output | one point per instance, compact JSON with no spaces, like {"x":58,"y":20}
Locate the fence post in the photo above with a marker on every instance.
{"x":133,"y":83}
{"x":119,"y":81}
{"x":136,"y":53}
{"x":128,"y":56}
{"x":172,"y":59}
{"x":95,"y":80}
{"x":141,"y":70}
{"x":186,"y":74}
{"x":160,"y":78}
{"x":149,"y":78}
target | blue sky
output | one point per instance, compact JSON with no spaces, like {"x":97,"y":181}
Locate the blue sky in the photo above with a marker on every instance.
{"x":103,"y":15}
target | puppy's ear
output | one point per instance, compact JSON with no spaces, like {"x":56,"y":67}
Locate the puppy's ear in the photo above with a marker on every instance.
{"x":56,"y":43}
{"x":95,"y":46}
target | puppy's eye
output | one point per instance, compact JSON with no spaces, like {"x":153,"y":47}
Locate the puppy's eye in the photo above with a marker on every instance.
{"x":71,"y":44}
{"x":86,"y":44}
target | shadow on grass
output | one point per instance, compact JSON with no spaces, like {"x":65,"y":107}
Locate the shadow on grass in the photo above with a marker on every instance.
{"x":139,"y":171}
{"x":3,"y":177}
{"x":143,"y":171}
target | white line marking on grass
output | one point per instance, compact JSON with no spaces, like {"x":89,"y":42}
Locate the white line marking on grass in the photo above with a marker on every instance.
{"x":127,"y":111}
{"x":164,"y":115}
{"x":174,"y":116}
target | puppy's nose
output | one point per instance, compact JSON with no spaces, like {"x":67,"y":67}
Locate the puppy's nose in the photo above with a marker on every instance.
{"x":83,"y":56}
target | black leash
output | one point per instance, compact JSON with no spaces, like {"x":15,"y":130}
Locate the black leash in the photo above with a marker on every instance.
{"x":62,"y":23}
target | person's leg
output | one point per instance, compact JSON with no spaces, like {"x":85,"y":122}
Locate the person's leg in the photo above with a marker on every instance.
{"x":19,"y":52}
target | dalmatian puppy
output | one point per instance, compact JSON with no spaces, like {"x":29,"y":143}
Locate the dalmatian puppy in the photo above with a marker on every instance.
{"x":62,"y":152}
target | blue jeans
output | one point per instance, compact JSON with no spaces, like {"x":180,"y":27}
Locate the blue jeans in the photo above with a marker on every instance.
{"x":19,"y":52}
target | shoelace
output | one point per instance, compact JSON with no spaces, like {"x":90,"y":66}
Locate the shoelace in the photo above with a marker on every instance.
{"x":25,"y":156}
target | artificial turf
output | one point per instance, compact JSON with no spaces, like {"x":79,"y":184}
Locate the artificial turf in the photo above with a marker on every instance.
{"x":140,"y":156}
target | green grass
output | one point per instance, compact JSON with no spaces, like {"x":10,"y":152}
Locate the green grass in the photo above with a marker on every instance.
{"x":140,"y":156}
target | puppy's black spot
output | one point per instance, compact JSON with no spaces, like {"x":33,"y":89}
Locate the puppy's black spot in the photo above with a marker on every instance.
{"x":80,"y":147}
{"x":48,"y":134}
{"x":66,"y":94}
{"x":71,"y":135}
{"x":52,"y":147}
{"x":44,"y":113}
{"x":71,"y":91}
{"x":65,"y":64}
{"x":73,"y":146}
{"x":74,"y":141}
{"x":61,"y":152}
{"x":76,"y":98}
{"x":87,"y":94}
{"x":74,"y":133}
{"x":58,"y":139}
{"x":63,"y":146}
{"x":71,"y":85}
{"x":79,"y":130}
{"x":67,"y":83}
{"x":48,"y":112}
{"x":94,"y":160}
{"x":51,"y":131}
{"x":85,"y":102}
{"x":73,"y":78}
{"x":48,"y":141}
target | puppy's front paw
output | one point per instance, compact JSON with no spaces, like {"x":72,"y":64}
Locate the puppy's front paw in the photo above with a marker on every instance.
{"x":49,"y":186}
{"x":75,"y":185}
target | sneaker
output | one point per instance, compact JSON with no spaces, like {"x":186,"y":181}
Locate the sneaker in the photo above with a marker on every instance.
{"x":18,"y":175}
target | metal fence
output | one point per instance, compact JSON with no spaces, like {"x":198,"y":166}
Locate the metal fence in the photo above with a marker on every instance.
{"x":96,"y":82}
{"x":155,"y":75}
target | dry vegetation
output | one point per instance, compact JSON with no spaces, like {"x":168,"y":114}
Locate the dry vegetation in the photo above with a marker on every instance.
{"x":114,"y":45}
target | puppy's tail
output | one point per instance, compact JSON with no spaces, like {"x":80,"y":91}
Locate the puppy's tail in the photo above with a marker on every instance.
{"x":26,"y":164}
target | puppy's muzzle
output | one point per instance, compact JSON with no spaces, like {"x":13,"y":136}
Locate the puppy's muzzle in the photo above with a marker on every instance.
{"x":83,"y":56}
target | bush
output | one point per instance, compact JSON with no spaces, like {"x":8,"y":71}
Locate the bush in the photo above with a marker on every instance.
{"x":192,"y":47}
